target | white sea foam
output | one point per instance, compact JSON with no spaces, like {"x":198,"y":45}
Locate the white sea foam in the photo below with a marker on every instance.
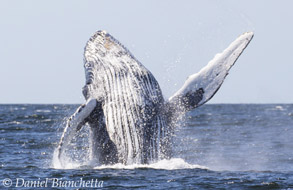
{"x":43,"y":111}
{"x":172,"y":164}
{"x":15,"y":122}
{"x":276,"y":108}
{"x":279,"y":108}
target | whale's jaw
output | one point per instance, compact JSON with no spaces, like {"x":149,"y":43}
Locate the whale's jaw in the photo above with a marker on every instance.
{"x":130,"y":96}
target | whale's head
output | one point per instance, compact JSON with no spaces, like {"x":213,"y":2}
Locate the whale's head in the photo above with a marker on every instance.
{"x":103,"y":49}
{"x":98,"y":54}
{"x":105,"y":57}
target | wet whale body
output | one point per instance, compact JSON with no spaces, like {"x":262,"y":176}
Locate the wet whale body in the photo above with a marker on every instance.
{"x":130,"y":122}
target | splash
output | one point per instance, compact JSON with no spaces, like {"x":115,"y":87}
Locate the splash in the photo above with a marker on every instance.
{"x":80,"y":158}
{"x":76,"y":153}
{"x":64,"y":162}
{"x":172,"y":164}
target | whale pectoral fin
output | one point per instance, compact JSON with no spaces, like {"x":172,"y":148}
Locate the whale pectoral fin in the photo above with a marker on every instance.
{"x":201,"y":87}
{"x":75,"y":123}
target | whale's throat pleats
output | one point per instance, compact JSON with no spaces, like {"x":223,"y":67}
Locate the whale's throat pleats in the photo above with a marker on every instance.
{"x":131,"y":100}
{"x":125,"y":109}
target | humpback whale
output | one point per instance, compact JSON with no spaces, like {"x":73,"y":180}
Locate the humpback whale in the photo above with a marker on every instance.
{"x":129,"y":120}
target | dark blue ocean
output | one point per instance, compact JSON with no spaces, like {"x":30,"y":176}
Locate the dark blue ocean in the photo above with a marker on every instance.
{"x":217,"y":146}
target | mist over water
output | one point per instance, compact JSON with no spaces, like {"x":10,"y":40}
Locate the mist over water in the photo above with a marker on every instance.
{"x":216,"y":146}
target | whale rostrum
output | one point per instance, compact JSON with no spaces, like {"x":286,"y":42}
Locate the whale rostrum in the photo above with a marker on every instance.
{"x":130,"y":122}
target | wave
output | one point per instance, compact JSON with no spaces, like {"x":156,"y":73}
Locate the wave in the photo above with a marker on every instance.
{"x":43,"y":111}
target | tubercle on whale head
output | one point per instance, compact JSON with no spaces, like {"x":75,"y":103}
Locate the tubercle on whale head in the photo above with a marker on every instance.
{"x":102,"y":45}
{"x":98,"y":45}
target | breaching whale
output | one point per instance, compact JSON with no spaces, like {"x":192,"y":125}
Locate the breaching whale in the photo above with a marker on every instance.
{"x":130,"y":122}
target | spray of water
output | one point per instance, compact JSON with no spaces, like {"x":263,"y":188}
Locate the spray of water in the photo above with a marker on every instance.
{"x":77,"y":155}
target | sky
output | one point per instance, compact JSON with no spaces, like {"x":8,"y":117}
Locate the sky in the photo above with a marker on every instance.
{"x":42,"y":43}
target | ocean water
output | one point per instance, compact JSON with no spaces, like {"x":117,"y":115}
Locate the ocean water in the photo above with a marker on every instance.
{"x":217,"y":146}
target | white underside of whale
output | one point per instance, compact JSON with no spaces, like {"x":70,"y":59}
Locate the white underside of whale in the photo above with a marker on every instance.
{"x":128,"y":91}
{"x":211,"y":77}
